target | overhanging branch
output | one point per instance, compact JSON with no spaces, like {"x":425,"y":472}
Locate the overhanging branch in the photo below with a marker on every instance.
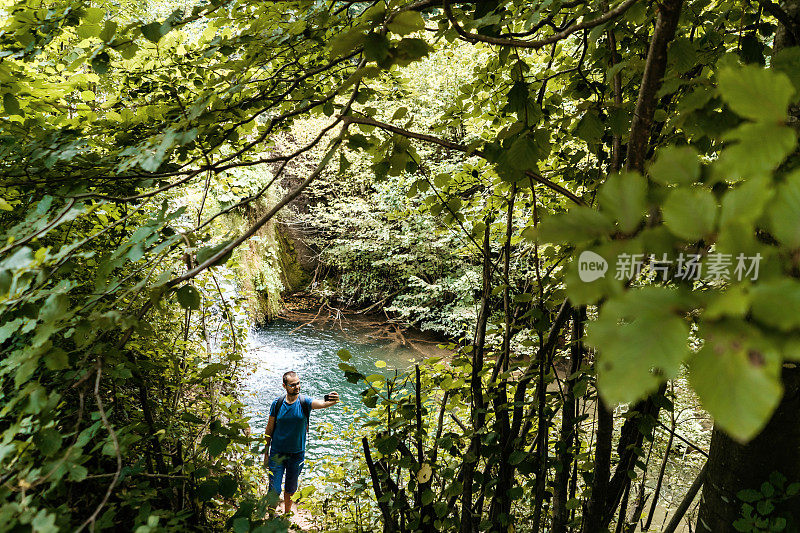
{"x":461,"y":148}
{"x":534,"y":45}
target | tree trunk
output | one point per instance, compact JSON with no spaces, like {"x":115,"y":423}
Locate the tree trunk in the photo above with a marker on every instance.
{"x":567,"y":439}
{"x":500,"y":508}
{"x":733,"y":466}
{"x":469,"y":520}
{"x":602,"y":469}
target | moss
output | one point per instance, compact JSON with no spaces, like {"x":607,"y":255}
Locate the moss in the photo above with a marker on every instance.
{"x":293,"y":276}
{"x":267,"y":267}
{"x":259,"y":270}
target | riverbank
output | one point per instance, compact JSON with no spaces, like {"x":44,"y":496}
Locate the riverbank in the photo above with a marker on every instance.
{"x":363,"y":325}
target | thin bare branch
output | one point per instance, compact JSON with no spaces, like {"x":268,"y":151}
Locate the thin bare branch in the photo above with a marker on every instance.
{"x":534,"y":45}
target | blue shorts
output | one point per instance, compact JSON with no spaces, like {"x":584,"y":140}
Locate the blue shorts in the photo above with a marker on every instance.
{"x":291,"y":464}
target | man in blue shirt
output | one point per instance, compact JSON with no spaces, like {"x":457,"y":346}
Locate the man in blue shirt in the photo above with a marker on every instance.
{"x":286,"y":436}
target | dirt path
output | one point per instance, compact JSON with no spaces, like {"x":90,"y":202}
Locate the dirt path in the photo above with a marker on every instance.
{"x":301,"y":519}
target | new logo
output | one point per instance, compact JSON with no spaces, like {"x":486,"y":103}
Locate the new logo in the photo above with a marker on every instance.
{"x":591,"y":266}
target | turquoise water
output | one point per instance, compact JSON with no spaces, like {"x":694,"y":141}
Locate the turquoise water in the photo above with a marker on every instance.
{"x":312,"y":353}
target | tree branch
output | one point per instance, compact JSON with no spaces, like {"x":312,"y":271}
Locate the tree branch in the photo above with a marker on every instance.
{"x":789,"y":22}
{"x":474,"y":37}
{"x":652,"y":79}
{"x":461,"y":148}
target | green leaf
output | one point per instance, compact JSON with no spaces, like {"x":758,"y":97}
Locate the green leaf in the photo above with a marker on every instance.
{"x":577,"y":225}
{"x":761,"y":147}
{"x":56,"y":359}
{"x":733,"y":302}
{"x":370,"y":401}
{"x":152,"y":31}
{"x":344,"y":354}
{"x":207,"y":490}
{"x":776,"y":304}
{"x":689,"y":214}
{"x":409,"y":50}
{"x":109,"y":29}
{"x":347,"y":42}
{"x":94,"y":15}
{"x":623,"y":197}
{"x":736,"y":375}
{"x":619,"y":119}
{"x":387,"y":444}
{"x":573,"y":503}
{"x":787,"y":61}
{"x":784,"y":212}
{"x":100,"y":63}
{"x":11,"y":104}
{"x":675,"y":165}
{"x":215,"y":444}
{"x":777,"y":480}
{"x":590,"y":128}
{"x":518,"y":98}
{"x":191,"y":418}
{"x":188,"y":297}
{"x":424,"y":473}
{"x":241,"y":524}
{"x":78,"y":473}
{"x":746,"y":202}
{"x":406,"y":22}
{"x":400,"y":113}
{"x":227,"y":486}
{"x":55,"y":307}
{"x":765,"y":507}
{"x":517,"y":456}
{"x":583,"y":290}
{"x":44,"y":522}
{"x":18,"y":260}
{"x":682,"y":54}
{"x":637,"y":13}
{"x":756,"y":93}
{"x":376,"y":47}
{"x":212,"y":370}
{"x":48,"y":440}
{"x":748,"y":495}
{"x":524,"y":153}
{"x":88,"y":30}
{"x":641,"y":340}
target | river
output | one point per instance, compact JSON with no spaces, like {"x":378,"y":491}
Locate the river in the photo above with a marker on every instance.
{"x":311,"y":351}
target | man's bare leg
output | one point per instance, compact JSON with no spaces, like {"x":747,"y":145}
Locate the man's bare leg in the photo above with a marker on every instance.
{"x":287,"y":502}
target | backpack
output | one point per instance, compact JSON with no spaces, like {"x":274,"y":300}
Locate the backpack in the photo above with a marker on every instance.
{"x":303,"y":405}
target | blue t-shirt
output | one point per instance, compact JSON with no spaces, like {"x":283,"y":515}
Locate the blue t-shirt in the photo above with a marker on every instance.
{"x":290,"y":426}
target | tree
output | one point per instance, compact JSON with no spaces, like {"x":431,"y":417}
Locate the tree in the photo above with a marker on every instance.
{"x":632,"y":131}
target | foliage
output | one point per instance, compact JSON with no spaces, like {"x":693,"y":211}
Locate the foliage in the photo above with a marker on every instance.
{"x":758,"y":505}
{"x":120,"y":347}
{"x":260,"y":272}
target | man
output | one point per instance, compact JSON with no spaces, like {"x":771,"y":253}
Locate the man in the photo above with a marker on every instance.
{"x":286,"y":436}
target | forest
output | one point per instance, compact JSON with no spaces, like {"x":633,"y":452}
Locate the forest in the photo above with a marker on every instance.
{"x":594,"y":206}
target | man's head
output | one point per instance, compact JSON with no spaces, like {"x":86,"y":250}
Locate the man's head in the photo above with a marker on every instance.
{"x":291,"y":383}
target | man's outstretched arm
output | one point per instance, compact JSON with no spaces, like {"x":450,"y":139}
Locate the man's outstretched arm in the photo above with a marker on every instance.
{"x":322,"y":404}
